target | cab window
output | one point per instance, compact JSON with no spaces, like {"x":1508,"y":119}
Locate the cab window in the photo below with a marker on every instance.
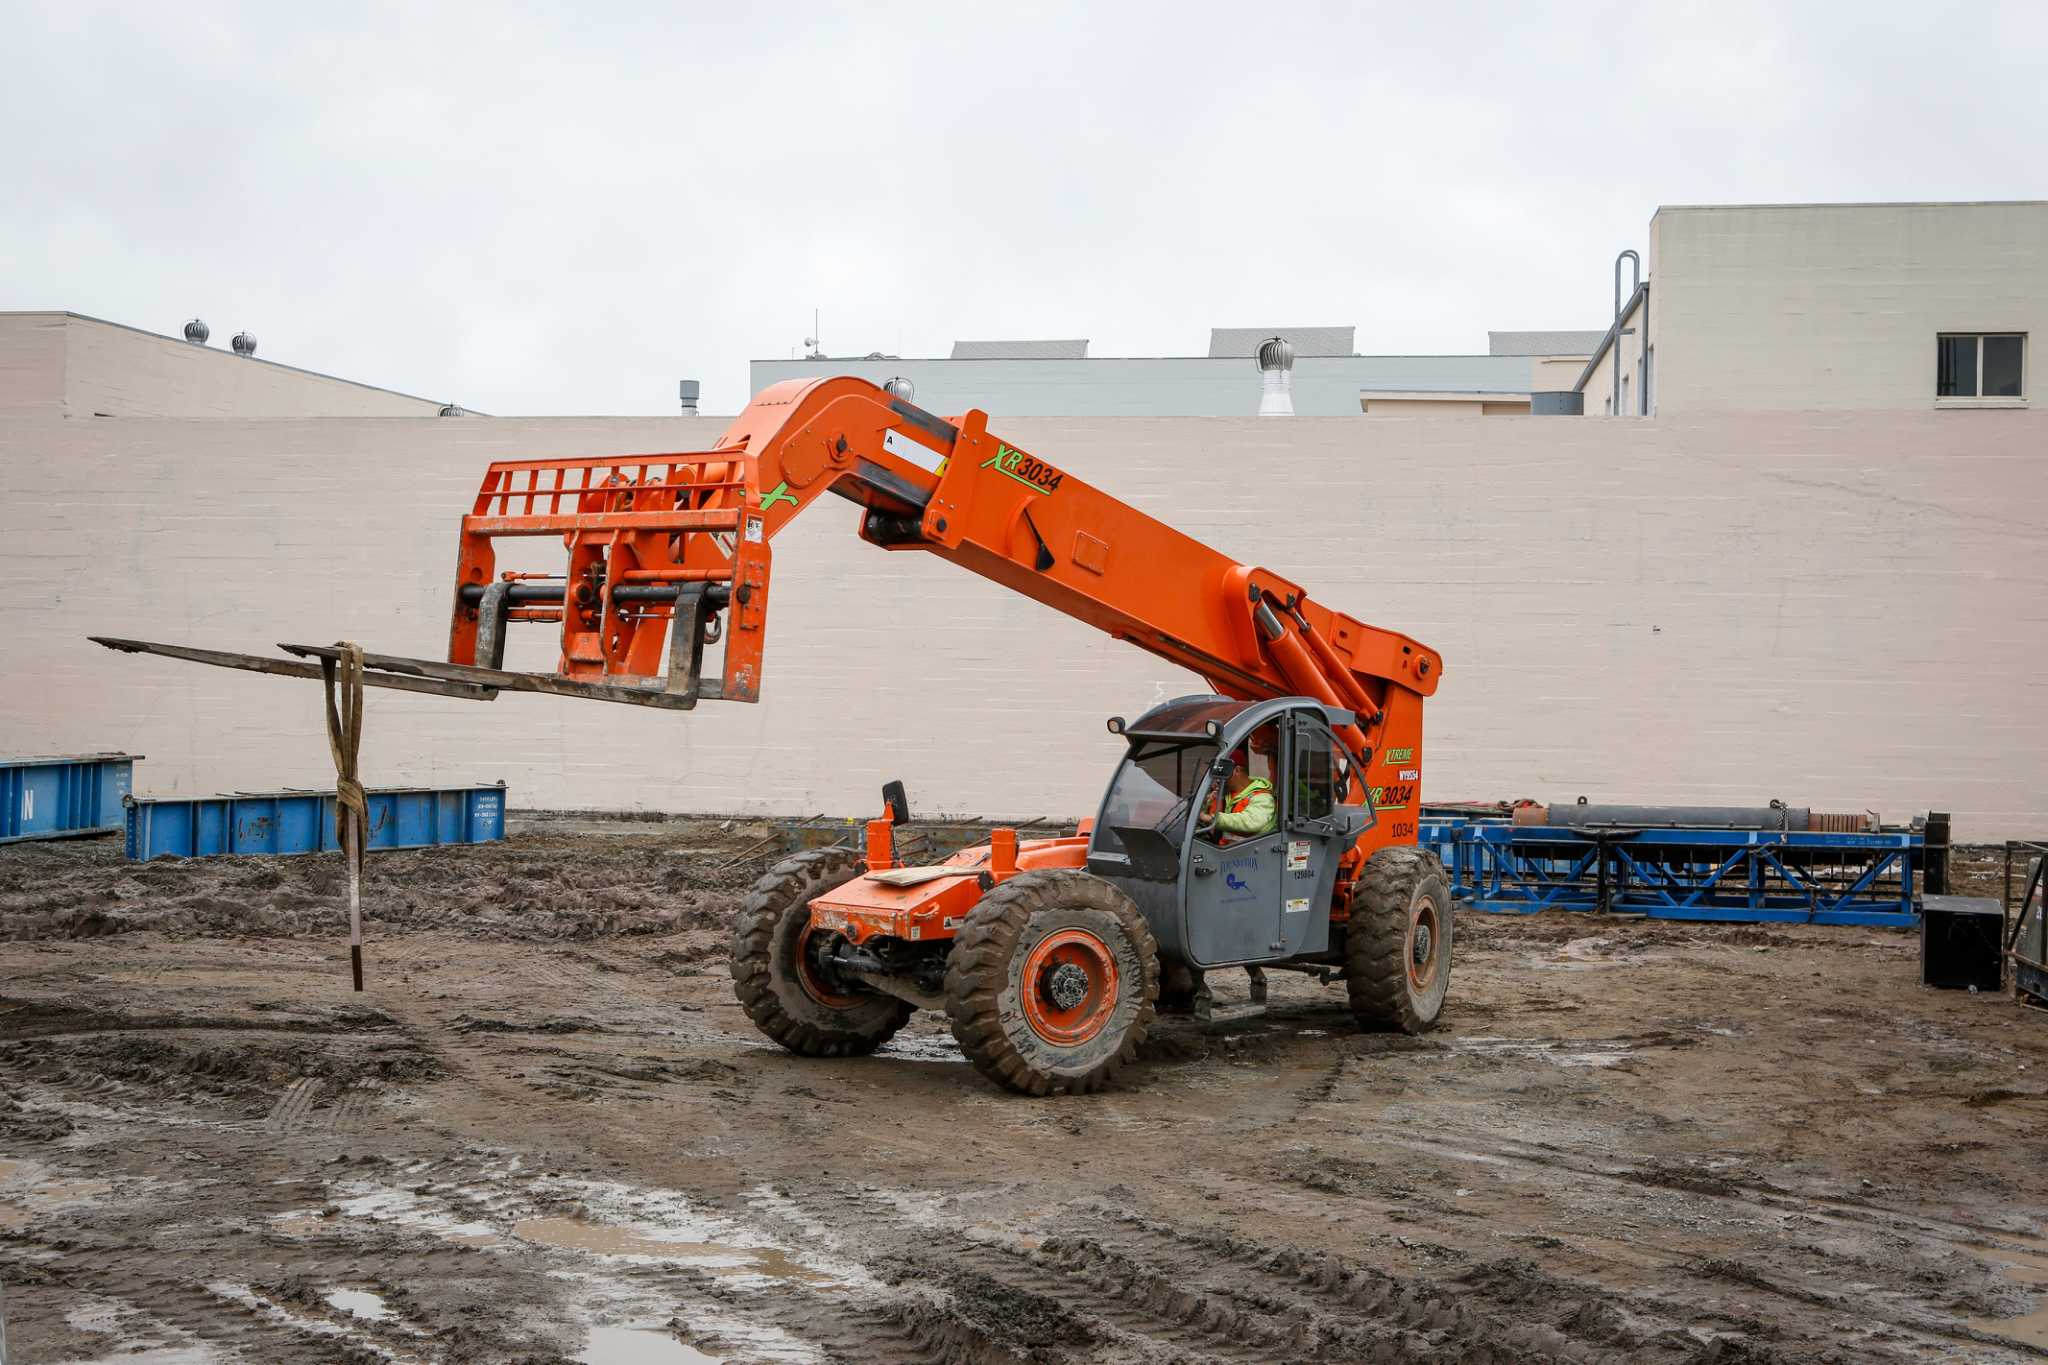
{"x":1315,"y":773}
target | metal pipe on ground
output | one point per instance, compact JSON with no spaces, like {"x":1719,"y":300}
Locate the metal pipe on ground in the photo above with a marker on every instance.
{"x":1581,"y":815}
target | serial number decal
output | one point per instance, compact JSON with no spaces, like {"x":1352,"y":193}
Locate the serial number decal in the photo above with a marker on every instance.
{"x":1393,"y":796}
{"x":1411,"y":774}
{"x":1034,"y":473}
{"x":1389,"y":757}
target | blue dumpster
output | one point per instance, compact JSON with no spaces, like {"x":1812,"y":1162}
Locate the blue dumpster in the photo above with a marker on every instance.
{"x":303,"y":821}
{"x":50,"y":798}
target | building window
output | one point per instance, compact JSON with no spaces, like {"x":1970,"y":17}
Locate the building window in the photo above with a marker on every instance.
{"x":1980,"y":365}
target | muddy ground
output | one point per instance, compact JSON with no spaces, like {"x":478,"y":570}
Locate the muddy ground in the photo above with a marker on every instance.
{"x":546,"y":1133}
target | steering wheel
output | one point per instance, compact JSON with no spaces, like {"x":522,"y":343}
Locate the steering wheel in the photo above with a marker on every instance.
{"x":1174,"y":814}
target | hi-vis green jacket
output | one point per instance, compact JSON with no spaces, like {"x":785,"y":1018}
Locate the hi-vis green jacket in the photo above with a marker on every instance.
{"x":1251,"y":812}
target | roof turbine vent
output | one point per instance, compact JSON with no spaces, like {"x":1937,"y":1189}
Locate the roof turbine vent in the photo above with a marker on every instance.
{"x":1276,"y":375}
{"x":197,"y":332}
{"x":900,"y":388}
{"x":244,"y":343}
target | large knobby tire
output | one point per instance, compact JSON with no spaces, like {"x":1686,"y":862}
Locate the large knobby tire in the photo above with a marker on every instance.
{"x":1051,"y":983}
{"x":787,"y":1001}
{"x":1398,"y":947}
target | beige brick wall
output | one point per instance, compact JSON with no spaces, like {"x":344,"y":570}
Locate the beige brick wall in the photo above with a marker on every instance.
{"x":1842,"y":611}
{"x":31,"y":364}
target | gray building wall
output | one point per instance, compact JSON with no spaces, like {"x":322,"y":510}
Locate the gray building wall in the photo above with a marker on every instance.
{"x":1844,"y":610}
{"x":1169,"y":386}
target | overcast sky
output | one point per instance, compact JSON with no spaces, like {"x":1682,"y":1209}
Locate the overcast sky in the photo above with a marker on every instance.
{"x":564,"y":209}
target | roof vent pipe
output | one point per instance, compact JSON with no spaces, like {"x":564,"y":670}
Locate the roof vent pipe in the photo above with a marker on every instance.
{"x":1276,"y":377}
{"x":197,"y":332}
{"x":1635,"y":282}
{"x":244,"y":343}
{"x":686,"y":395}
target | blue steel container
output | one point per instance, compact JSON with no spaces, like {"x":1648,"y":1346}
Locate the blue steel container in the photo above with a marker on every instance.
{"x":288,"y":822}
{"x":52,"y":798}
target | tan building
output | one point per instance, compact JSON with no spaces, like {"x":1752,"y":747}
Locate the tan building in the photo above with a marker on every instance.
{"x":71,"y":365}
{"x":1829,"y":307}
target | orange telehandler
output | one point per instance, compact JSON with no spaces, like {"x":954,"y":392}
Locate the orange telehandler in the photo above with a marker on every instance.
{"x":1049,"y":956}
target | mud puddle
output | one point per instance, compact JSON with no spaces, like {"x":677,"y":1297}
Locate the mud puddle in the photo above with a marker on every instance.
{"x":1560,"y":1052}
{"x":1588,"y":954}
{"x":715,"y":1258}
{"x":923,"y":1047}
{"x":639,"y":1346}
{"x":2030,"y":1268}
{"x":359,"y":1303}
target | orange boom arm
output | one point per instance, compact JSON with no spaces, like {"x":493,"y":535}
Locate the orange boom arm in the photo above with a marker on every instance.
{"x":671,"y":553}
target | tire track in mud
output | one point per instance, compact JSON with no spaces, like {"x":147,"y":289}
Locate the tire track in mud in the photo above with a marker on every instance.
{"x":225,"y":1323}
{"x":1157,"y":1301}
{"x":1893,"y":1308}
{"x":1485,"y":1330}
{"x":349,"y":1113}
{"x":294,"y":1108}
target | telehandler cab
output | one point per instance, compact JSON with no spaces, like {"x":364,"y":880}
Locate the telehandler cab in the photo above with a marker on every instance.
{"x":1049,"y":956}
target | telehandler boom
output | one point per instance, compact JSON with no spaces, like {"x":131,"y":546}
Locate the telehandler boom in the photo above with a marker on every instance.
{"x":1049,"y":956}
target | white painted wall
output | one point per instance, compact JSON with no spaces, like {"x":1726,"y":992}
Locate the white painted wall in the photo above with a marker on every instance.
{"x":1844,"y":611}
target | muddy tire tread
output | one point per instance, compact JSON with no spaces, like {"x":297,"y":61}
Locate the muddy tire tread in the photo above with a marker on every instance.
{"x":1376,"y":967}
{"x":797,"y":879}
{"x":977,"y":972}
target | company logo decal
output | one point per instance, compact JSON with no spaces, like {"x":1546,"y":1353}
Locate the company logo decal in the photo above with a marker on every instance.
{"x":1235,"y":887}
{"x":1393,"y":756}
{"x":1033,"y":473}
{"x":779,"y":493}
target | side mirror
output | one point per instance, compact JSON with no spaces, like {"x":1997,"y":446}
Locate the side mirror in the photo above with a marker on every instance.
{"x":896,"y":802}
{"x":1221,"y":767}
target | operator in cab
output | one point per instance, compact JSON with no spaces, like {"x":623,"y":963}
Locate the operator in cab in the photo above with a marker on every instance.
{"x":1248,"y":809}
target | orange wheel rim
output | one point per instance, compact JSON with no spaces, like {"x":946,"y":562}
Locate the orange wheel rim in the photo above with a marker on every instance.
{"x":1425,"y":945}
{"x":1069,"y":987}
{"x":814,"y":985}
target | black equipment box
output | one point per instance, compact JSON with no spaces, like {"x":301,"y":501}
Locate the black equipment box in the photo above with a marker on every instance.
{"x":1962,"y":942}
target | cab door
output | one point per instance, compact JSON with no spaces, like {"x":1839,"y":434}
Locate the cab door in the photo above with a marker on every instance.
{"x":1233,"y":897}
{"x":1316,"y":833}
{"x":1266,"y":898}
